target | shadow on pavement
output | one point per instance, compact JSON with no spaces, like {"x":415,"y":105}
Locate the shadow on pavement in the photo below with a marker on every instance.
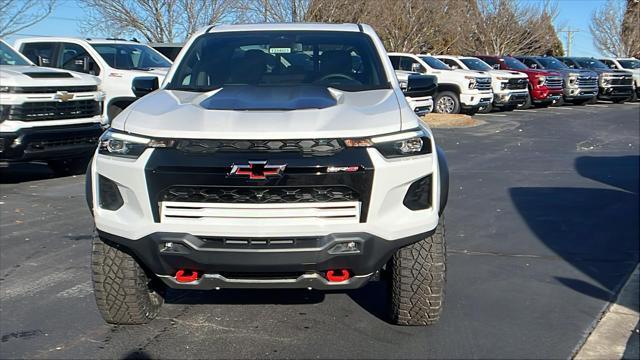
{"x":137,"y":354}
{"x":17,"y":173}
{"x":244,"y":296}
{"x":594,"y":229}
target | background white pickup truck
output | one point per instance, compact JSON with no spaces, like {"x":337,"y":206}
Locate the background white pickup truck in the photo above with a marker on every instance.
{"x":509,"y":87}
{"x":458,"y":91}
{"x":116,"y":62}
{"x":47,"y":114}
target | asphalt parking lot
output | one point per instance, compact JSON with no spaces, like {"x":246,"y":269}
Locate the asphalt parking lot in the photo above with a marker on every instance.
{"x":542,"y":231}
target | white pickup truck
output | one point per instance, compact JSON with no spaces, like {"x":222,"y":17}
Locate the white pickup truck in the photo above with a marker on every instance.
{"x":458,"y":91}
{"x":629,"y":64}
{"x":509,"y":87}
{"x":47,"y":115}
{"x":115,"y":61}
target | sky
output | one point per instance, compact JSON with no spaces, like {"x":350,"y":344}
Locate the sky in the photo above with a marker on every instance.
{"x":66,"y":20}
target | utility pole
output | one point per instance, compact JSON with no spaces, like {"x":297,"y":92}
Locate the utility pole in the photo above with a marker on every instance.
{"x":570,"y":33}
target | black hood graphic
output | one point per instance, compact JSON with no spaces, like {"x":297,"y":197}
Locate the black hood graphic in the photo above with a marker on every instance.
{"x":243,"y":97}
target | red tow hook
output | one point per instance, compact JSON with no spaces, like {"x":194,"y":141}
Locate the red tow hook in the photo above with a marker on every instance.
{"x":186,"y":276}
{"x":338,"y":275}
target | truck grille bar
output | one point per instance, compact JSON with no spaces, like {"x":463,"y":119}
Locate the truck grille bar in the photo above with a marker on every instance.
{"x":554,"y":82}
{"x":38,"y":111}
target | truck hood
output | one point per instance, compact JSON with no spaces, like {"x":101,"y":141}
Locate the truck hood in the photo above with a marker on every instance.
{"x":508,"y":74}
{"x":464,"y":72}
{"x":534,"y":72}
{"x":28,"y":75}
{"x":251,"y":115}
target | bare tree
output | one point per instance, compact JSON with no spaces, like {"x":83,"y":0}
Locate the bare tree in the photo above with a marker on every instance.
{"x":269,"y":11}
{"x":631,"y":28}
{"x":608,"y":32}
{"x":512,"y":27}
{"x":16,"y":15}
{"x":156,"y":20}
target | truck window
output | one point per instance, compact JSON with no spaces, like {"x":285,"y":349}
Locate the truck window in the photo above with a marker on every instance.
{"x":530,"y":63}
{"x":72,"y":57}
{"x":342,"y":60}
{"x":407,"y":64}
{"x":131,"y":56}
{"x":450,"y":62}
{"x":9,"y":57}
{"x":44,"y":50}
{"x":395,"y":62}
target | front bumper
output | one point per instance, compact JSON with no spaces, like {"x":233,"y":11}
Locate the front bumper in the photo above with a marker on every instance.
{"x":422,"y":105}
{"x":578,"y":93}
{"x":476,"y":100}
{"x":615,"y":92}
{"x":262,"y":262}
{"x":512,"y":98}
{"x":49,"y":142}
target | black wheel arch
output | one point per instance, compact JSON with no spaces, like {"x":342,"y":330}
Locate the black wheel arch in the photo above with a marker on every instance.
{"x":88,"y":185}
{"x":443,"y":171}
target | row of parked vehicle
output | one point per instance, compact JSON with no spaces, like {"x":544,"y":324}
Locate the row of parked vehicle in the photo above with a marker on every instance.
{"x":59,"y":94}
{"x":469,"y":84}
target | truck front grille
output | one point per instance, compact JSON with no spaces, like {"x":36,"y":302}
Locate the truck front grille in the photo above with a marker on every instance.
{"x":308,"y":146}
{"x":70,"y":142}
{"x":223,"y":214}
{"x":554,"y":82}
{"x":517,"y":84}
{"x":38,"y":111}
{"x":622,"y":81}
{"x":258,"y":195}
{"x":587,"y":82}
{"x":483,"y":84}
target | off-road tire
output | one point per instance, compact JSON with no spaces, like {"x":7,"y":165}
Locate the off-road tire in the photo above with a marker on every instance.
{"x":418,"y":274}
{"x":486,"y":109}
{"x":122,"y":289}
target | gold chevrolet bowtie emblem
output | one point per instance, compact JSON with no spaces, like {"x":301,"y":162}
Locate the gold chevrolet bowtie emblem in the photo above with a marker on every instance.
{"x":63,"y":96}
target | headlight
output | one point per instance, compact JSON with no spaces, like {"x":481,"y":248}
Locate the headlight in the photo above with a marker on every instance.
{"x":503,"y":85}
{"x":408,"y":143}
{"x":117,"y":143}
{"x":5,"y":89}
{"x":472,"y":81}
{"x":573,"y":78}
{"x":541,"y":80}
{"x":502,"y":78}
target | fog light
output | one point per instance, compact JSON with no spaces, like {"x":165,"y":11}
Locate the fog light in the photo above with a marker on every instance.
{"x":347,"y":247}
{"x":418,"y":196}
{"x":110,"y":197}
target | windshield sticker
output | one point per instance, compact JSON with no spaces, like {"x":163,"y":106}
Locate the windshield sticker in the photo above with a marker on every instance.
{"x":279,"y":50}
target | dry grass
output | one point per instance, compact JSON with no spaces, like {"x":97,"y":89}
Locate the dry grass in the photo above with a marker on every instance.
{"x":450,"y":120}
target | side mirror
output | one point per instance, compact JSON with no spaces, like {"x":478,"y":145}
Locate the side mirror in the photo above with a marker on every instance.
{"x":415,"y":67}
{"x":421,"y":85}
{"x":454,"y":67}
{"x":143,"y":85}
{"x":533,"y":66}
{"x":613,"y":66}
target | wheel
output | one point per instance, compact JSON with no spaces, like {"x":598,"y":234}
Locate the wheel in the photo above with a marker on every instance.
{"x":619,"y":101}
{"x":634,"y":96}
{"x":123,"y":291}
{"x":67,"y":167}
{"x":508,"y":108}
{"x":486,"y":109}
{"x":447,"y":102}
{"x":417,"y":280}
{"x":559,"y":102}
{"x":527,"y":103}
{"x":593,"y":100}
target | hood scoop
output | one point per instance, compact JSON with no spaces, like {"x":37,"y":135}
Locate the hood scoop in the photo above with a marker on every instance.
{"x":242,"y":97}
{"x":48,"y":75}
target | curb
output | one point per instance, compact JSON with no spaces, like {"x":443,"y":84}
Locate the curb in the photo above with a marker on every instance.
{"x":618,"y":326}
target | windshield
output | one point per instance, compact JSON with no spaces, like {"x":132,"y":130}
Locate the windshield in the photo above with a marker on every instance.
{"x":476,"y":64}
{"x":343,"y":60}
{"x":591,"y":64}
{"x":131,"y":56}
{"x":514,"y":63}
{"x":8,"y":56}
{"x":435,"y":63}
{"x":552,"y":63}
{"x":630,"y":64}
